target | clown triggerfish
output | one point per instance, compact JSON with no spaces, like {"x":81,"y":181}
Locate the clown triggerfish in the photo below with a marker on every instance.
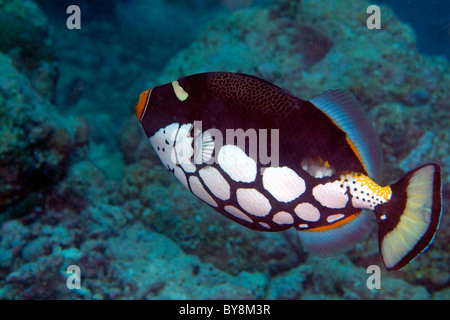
{"x":271,"y":161}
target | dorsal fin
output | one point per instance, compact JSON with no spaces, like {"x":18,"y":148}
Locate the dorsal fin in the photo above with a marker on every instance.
{"x":343,"y":108}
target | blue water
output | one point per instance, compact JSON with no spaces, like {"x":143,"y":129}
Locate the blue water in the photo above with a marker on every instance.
{"x":430,"y":20}
{"x":80,"y":184}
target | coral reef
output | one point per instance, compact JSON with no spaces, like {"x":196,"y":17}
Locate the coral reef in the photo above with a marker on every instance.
{"x":24,"y":31}
{"x":36,"y":143}
{"x":24,"y":27}
{"x":337,"y":278}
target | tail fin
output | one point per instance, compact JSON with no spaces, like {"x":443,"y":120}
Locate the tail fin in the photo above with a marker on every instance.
{"x":409,"y":221}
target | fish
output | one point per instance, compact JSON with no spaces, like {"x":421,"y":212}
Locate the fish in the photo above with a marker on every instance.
{"x":271,"y":161}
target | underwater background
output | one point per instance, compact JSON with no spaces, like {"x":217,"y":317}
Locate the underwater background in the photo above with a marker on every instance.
{"x":81,"y":185}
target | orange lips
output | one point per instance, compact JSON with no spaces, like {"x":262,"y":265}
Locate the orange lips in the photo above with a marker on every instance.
{"x":140,"y":107}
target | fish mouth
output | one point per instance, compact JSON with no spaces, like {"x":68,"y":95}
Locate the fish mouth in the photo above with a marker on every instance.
{"x":141,"y":106}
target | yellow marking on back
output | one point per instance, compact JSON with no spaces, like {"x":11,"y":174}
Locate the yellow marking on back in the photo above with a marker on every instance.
{"x":179,"y":91}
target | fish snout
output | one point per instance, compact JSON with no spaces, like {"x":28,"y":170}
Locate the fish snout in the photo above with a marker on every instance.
{"x":142,"y":104}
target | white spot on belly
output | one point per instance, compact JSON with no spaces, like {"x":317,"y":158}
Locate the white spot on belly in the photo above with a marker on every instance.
{"x":283,"y":217}
{"x":335,"y":217}
{"x":215,"y":182}
{"x":179,"y":91}
{"x":199,"y":191}
{"x":331,"y":194}
{"x":303,"y":225}
{"x":237,"y":164}
{"x":265,"y":225}
{"x":237,"y":213}
{"x":252,"y":201}
{"x":179,"y":174}
{"x":283,"y":183}
{"x":184,"y":149}
{"x":307,"y":212}
{"x":162,"y":141}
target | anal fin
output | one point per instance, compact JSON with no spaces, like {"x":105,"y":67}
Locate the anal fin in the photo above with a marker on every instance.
{"x":338,"y":237}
